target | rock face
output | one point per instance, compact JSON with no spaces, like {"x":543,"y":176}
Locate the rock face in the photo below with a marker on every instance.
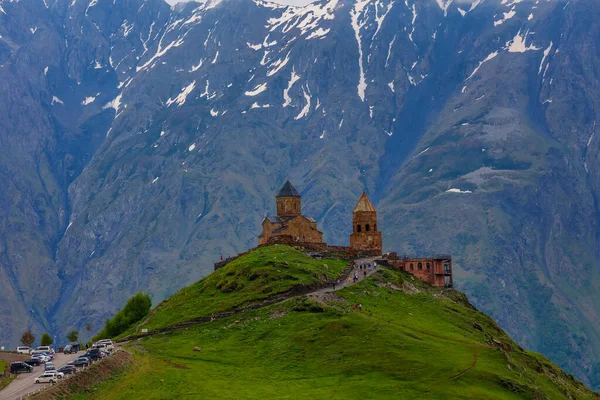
{"x":140,"y":142}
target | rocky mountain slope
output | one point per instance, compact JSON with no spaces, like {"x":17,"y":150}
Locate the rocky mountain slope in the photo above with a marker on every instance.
{"x":140,"y":142}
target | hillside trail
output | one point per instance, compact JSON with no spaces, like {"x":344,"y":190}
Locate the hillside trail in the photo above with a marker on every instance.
{"x":317,"y":294}
{"x":321,"y":294}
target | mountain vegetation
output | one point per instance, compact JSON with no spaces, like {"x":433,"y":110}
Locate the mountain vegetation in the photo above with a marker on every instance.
{"x":140,"y":142}
{"x":135,"y":309}
{"x":408,"y":340}
{"x":46,"y":340}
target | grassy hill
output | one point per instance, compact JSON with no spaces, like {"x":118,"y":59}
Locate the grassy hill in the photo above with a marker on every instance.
{"x":408,"y":341}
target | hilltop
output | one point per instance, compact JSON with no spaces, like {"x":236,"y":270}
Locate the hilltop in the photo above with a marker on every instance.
{"x":290,"y":337}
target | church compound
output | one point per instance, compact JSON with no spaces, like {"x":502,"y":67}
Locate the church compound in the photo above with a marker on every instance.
{"x":289,"y":226}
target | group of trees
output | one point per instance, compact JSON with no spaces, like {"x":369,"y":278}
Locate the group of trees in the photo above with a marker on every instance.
{"x":136,"y":308}
{"x":28,"y":338}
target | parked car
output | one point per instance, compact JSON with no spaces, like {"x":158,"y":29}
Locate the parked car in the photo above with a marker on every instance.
{"x":46,"y":378}
{"x":58,"y":375}
{"x":49,"y":367}
{"x":45,"y":348}
{"x":41,"y":356}
{"x":94,"y":354}
{"x":67,"y":369}
{"x":18,"y":367}
{"x":34,"y":362}
{"x":109,"y":344}
{"x":71,"y":348}
{"x":100,"y":346}
{"x":48,"y":354}
{"x":24,"y":349}
{"x":81,"y":362}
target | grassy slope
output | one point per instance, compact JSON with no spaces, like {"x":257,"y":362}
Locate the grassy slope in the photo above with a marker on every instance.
{"x":404,"y":344}
{"x":4,"y":381}
{"x":256,"y":276}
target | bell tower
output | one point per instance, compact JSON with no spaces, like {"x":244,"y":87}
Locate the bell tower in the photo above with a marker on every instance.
{"x":365,"y":235}
{"x":288,"y":201}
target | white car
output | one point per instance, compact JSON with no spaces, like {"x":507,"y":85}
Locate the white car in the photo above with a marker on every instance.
{"x":24,"y":349}
{"x":58,"y":375}
{"x":101,"y":347}
{"x":44,"y":358}
{"x":46,"y":378}
{"x":109,"y":344}
{"x":45,"y":348}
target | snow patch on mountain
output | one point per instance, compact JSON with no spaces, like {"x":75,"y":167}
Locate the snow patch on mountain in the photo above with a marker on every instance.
{"x":307,"y":18}
{"x":287,"y":100}
{"x":257,"y":90}
{"x":305,"y":110}
{"x":357,"y":25}
{"x":546,"y":54}
{"x":491,"y":56}
{"x":88,"y":100}
{"x":444,"y":4}
{"x":181,"y":98}
{"x":507,"y":16}
{"x":517,"y":44}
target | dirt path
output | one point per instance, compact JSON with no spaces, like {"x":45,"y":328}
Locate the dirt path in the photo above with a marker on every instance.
{"x":25,"y":384}
{"x":466,"y":370}
{"x":321,"y":294}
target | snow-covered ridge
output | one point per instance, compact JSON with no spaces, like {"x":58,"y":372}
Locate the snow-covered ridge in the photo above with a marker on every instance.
{"x":307,"y":18}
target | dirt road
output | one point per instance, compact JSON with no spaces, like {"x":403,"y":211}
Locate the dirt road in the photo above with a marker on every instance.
{"x":25,"y":383}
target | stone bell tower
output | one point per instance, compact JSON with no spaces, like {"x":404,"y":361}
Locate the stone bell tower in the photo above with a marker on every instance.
{"x":365,"y":235}
{"x":288,"y":201}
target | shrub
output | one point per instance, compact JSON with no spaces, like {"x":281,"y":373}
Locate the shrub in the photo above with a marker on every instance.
{"x":136,"y":308}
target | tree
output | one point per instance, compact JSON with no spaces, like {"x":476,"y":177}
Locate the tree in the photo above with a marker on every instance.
{"x":73,"y":336}
{"x":136,"y":308}
{"x":46,"y":340}
{"x":27,"y":339}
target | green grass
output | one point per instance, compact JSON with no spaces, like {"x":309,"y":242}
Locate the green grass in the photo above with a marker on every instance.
{"x":4,"y":381}
{"x":249,"y":279}
{"x":404,"y":344}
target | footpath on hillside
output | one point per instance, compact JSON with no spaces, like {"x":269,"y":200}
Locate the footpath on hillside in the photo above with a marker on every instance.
{"x":317,"y":294}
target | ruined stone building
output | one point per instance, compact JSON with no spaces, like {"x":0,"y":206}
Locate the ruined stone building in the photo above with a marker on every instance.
{"x":289,"y":220}
{"x":365,"y":235}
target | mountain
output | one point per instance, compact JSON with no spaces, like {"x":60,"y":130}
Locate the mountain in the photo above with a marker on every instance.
{"x":140,"y":142}
{"x":407,"y":340}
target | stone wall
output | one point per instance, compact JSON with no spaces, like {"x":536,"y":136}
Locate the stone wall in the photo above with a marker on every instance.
{"x":342,"y":252}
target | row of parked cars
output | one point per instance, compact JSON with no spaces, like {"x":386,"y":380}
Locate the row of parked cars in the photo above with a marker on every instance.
{"x":51,"y":374}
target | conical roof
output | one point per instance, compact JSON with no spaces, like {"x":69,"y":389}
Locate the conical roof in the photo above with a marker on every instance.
{"x":288,"y":190}
{"x":364,"y":204}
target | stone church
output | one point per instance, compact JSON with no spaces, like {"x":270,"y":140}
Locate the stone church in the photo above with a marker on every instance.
{"x":290,"y":223}
{"x":289,"y":220}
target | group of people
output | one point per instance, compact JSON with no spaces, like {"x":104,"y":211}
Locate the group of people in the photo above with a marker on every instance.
{"x":364,"y":267}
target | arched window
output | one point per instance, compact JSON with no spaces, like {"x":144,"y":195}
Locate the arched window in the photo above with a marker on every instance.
{"x":357,"y":228}
{"x":428,"y":266}
{"x":412,"y":267}
{"x":420,"y":266}
{"x":375,"y":228}
{"x":367,"y":227}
